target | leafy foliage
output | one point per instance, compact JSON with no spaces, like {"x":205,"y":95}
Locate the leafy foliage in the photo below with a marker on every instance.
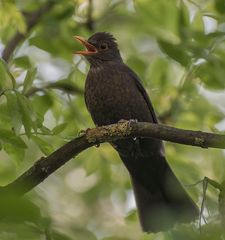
{"x":176,"y":47}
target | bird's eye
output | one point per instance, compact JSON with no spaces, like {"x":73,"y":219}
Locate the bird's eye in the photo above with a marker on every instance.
{"x":103,"y":46}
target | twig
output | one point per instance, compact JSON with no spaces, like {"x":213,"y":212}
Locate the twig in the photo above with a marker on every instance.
{"x":204,"y":189}
{"x":47,"y":165}
{"x":31,"y":20}
{"x":221,"y":200}
{"x":222,"y":203}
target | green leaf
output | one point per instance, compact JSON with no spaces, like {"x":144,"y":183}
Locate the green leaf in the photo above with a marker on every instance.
{"x":31,"y":73}
{"x":45,"y":130}
{"x":162,"y":18}
{"x":138,"y":64}
{"x":23,"y":62}
{"x":220,"y":6}
{"x":27,"y":113}
{"x":9,"y":137}
{"x":3,"y":73}
{"x":158,"y":72}
{"x":44,"y":146}
{"x":59,"y":128}
{"x":176,"y":52}
{"x":132,"y":216}
{"x":197,"y":23}
{"x":10,"y":16}
{"x":184,"y":22}
{"x":212,"y":73}
{"x":42,"y":104}
{"x":17,"y":154}
{"x":14,"y":111}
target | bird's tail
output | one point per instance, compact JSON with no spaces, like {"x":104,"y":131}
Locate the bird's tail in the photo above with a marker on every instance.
{"x":159,"y":211}
{"x":160,"y":198}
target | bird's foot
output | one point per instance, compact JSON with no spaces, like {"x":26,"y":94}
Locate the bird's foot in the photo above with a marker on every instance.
{"x":130,"y":121}
{"x":122,"y":121}
{"x":133,"y":121}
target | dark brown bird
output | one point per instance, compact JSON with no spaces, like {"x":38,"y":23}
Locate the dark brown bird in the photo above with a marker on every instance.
{"x":114,"y":92}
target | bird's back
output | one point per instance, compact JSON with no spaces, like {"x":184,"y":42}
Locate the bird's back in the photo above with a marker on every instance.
{"x":114,"y":92}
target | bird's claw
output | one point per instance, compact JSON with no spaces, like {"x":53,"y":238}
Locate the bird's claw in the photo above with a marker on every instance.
{"x":133,"y":121}
{"x":122,"y":121}
{"x":130,"y":121}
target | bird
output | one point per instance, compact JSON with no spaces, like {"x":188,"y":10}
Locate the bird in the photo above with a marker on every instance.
{"x":114,"y":92}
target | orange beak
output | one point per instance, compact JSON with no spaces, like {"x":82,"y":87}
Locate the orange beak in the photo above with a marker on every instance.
{"x":90,"y":49}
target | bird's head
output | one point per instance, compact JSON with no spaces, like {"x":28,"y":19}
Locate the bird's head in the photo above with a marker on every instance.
{"x":101,"y":46}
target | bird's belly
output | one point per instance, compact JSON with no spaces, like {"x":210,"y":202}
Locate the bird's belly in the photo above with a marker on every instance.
{"x":106,"y":108}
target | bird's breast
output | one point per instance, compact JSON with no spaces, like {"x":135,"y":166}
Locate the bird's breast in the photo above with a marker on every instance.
{"x":103,"y":96}
{"x":111,"y":95}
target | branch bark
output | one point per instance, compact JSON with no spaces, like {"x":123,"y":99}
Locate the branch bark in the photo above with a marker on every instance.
{"x":31,"y":20}
{"x":127,"y":129}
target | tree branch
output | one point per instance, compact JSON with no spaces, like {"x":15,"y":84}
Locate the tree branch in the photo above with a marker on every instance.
{"x":31,"y":20}
{"x":127,"y":129}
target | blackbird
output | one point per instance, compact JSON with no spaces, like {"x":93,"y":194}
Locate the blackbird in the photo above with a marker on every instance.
{"x":113,"y":92}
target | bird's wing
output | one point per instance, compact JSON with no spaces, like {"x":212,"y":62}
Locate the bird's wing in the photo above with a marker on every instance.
{"x":144,"y":94}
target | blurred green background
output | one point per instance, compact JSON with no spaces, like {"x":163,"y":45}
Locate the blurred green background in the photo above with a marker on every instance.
{"x":177,"y":48}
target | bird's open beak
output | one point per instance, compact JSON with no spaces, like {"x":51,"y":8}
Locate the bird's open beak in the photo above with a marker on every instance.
{"x":90,"y":49}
